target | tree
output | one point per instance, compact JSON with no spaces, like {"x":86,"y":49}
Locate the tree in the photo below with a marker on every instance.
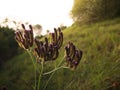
{"x":8,"y":45}
{"x":63,"y":26}
{"x":95,"y":10}
{"x":37,"y":29}
{"x":48,"y":31}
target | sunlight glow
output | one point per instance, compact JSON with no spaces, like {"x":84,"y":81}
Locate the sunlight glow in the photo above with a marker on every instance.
{"x":48,"y":13}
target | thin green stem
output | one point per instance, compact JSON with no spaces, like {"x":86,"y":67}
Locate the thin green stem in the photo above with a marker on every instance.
{"x":40,"y":76}
{"x":29,"y":52}
{"x":60,"y":62}
{"x":69,"y":84}
{"x":54,"y":70}
{"x":52,"y":74}
{"x":48,"y":80}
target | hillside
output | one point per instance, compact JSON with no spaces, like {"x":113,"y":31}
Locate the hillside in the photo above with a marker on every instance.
{"x":99,"y":68}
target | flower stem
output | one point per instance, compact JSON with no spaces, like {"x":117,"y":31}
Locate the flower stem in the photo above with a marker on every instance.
{"x":40,"y":76}
{"x":48,"y":80}
{"x":53,"y":72}
{"x":29,"y":52}
{"x":60,"y":62}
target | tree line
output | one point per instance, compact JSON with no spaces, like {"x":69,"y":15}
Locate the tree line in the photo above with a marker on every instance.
{"x":85,"y":11}
{"x":8,"y":45}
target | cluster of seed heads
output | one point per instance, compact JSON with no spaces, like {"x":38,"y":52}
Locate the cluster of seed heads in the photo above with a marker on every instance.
{"x":25,"y":39}
{"x":73,"y":56}
{"x":57,"y":38}
{"x":49,"y":51}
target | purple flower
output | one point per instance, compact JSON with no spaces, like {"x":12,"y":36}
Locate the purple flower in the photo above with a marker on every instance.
{"x":49,"y":51}
{"x":25,"y":39}
{"x":73,"y":56}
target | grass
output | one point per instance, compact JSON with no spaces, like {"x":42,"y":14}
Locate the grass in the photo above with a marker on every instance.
{"x":99,"y":68}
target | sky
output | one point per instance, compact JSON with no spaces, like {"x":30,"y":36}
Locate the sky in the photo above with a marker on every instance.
{"x":47,"y":13}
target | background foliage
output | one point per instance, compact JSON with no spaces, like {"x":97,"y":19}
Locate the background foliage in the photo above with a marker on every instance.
{"x":8,"y":45}
{"x":86,"y":11}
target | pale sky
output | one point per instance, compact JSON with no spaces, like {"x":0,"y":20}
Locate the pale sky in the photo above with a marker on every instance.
{"x":48,"y":13}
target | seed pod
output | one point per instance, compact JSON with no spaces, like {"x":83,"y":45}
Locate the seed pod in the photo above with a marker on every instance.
{"x":50,"y":52}
{"x":19,"y":38}
{"x":42,"y":52}
{"x":68,"y":60}
{"x":19,"y":35}
{"x":30,"y":26}
{"x":31,"y":36}
{"x":18,"y":41}
{"x":37,"y":43}
{"x":46,"y":44}
{"x":26,"y":38}
{"x":67,"y":51}
{"x":55,"y":36}
{"x":72,"y":50}
{"x":23,"y":26}
{"x":78,"y":56}
{"x":60,"y":40}
{"x":55,"y":53}
{"x":37,"y":52}
{"x":59,"y":29}
{"x":24,"y":44}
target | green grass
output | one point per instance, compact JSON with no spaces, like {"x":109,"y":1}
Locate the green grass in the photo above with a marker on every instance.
{"x":99,"y":68}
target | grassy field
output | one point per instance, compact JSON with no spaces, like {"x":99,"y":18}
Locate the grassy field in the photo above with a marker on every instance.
{"x":99,"y":68}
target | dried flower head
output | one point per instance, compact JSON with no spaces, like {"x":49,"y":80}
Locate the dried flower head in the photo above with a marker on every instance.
{"x":49,"y":51}
{"x":45,"y":51}
{"x":25,"y":40}
{"x":73,"y":56}
{"x":57,"y":37}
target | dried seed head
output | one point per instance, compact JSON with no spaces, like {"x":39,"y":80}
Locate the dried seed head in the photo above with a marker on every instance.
{"x":73,"y":56}
{"x":57,"y":37}
{"x":24,"y":40}
{"x":49,"y":51}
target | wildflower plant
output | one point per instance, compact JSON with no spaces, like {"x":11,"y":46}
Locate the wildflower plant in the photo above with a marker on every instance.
{"x":45,"y":50}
